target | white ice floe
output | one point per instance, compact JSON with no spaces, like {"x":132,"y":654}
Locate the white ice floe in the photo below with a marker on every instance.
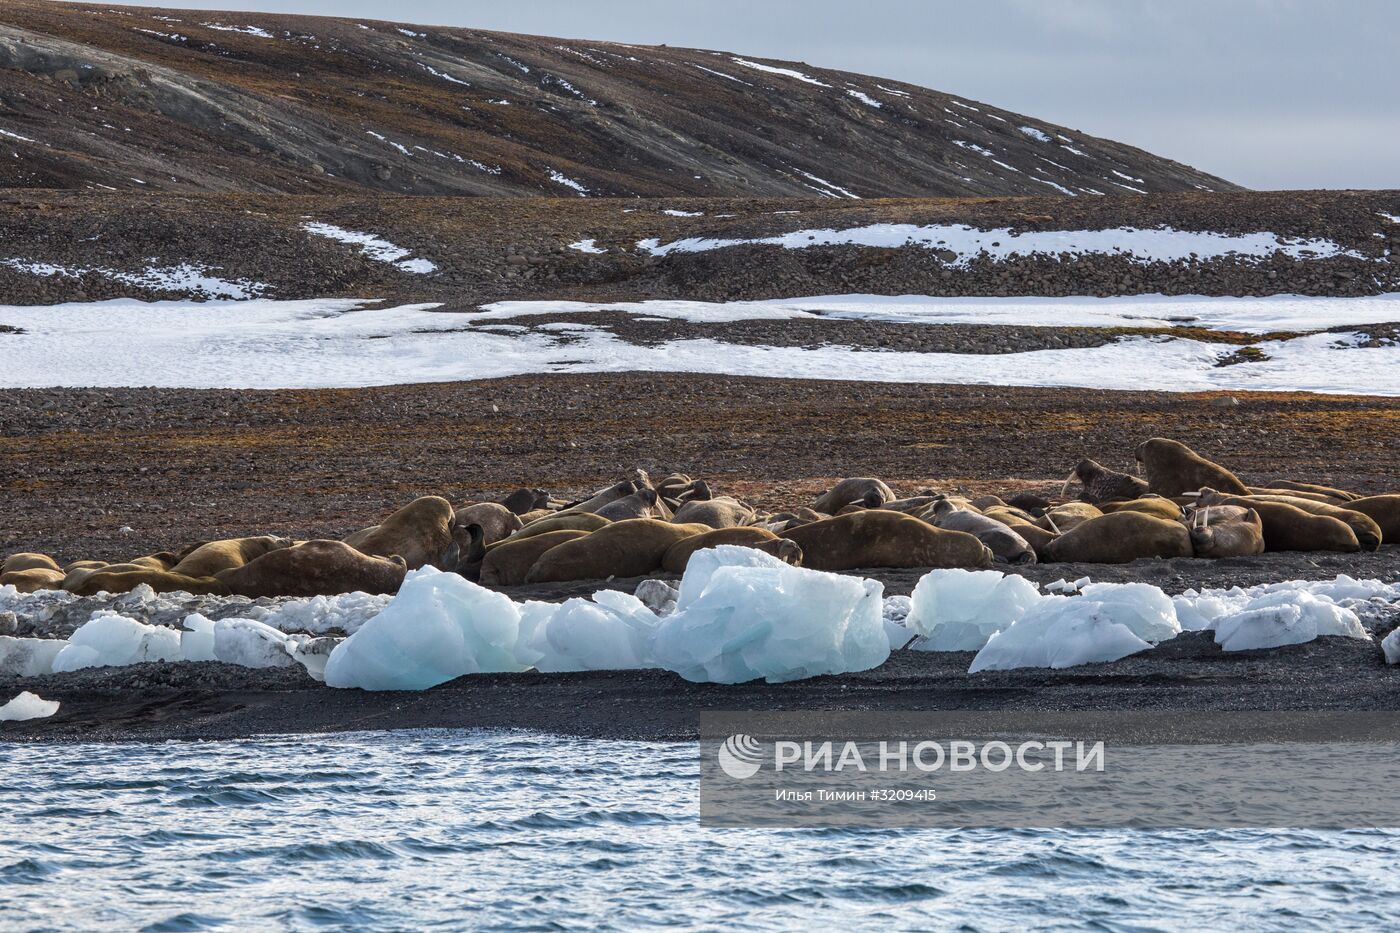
{"x":376,"y":248}
{"x":112,"y":640}
{"x":610,"y":631}
{"x":1139,"y":245}
{"x":440,"y":626}
{"x":744,"y":615}
{"x":338,"y":342}
{"x":28,"y":657}
{"x":1285,"y":618}
{"x":958,"y":610}
{"x":183,"y":277}
{"x":774,"y":70}
{"x":1105,"y":623}
{"x":27,"y":706}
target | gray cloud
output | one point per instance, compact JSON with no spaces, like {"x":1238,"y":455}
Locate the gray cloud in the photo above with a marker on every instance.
{"x":1267,"y":93}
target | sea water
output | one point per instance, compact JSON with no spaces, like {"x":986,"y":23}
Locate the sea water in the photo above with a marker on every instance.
{"x":511,"y":830}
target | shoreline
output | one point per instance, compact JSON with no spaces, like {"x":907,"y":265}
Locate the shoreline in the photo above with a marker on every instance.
{"x":202,"y":701}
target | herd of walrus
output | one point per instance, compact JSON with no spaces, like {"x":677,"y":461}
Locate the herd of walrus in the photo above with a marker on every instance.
{"x":1180,"y":505}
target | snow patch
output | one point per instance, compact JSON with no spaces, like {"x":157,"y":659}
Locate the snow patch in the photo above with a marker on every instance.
{"x":376,"y":248}
{"x":864,"y":98}
{"x":245,"y":30}
{"x":186,"y":277}
{"x":774,"y":70}
{"x":559,"y":178}
{"x":587,"y":246}
{"x":1036,"y":134}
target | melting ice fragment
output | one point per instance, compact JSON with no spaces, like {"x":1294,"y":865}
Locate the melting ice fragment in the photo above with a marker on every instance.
{"x":27,"y":706}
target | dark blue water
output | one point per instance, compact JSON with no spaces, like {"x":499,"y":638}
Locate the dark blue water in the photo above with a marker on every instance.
{"x":414,"y":830}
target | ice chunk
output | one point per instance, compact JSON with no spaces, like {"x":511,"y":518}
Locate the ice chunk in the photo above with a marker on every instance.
{"x":1391,"y":646}
{"x":613,"y":631}
{"x":313,"y":653}
{"x":1147,"y":611}
{"x":197,"y":640}
{"x":320,"y":614}
{"x":658,"y":595}
{"x":112,"y":640}
{"x":704,"y":563}
{"x":1285,"y":617}
{"x":751,"y":618}
{"x":27,"y":706}
{"x":439,"y":626}
{"x":895,"y":616}
{"x":251,"y":644}
{"x":1060,"y":631}
{"x":28,"y":657}
{"x":958,"y":610}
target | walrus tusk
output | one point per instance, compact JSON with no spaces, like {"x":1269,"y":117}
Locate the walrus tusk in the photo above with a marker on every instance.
{"x":1206,"y":523}
{"x":1064,"y":490}
{"x":1053,"y":527}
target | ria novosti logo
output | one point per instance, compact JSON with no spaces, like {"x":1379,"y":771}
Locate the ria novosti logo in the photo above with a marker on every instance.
{"x":740,"y":756}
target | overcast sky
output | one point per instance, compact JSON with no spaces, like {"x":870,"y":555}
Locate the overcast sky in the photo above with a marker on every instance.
{"x":1266,"y":93}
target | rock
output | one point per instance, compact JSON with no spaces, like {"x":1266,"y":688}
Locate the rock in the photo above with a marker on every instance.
{"x":1225,"y":401}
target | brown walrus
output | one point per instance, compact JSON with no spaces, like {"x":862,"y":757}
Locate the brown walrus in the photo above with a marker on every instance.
{"x":420,"y":533}
{"x":644,"y":503}
{"x":208,"y":559}
{"x":33,"y":579}
{"x":719,"y":512}
{"x":497,"y":522}
{"x":1007,"y":546}
{"x":1100,"y":484}
{"x":1148,"y":505}
{"x":85,"y":565}
{"x":1173,"y":468}
{"x":1067,"y":516}
{"x":28,"y":560}
{"x":881,"y":538}
{"x":1289,"y":528}
{"x":1120,"y":537}
{"x":1296,"y":494}
{"x":508,"y":564}
{"x":638,"y":480}
{"x":162,"y":581}
{"x":1226,"y":531}
{"x":1332,"y":491}
{"x":678,"y":554}
{"x":1384,"y":511}
{"x":1368,"y":533}
{"x":630,"y":548}
{"x":866,"y":490}
{"x":74,"y":579}
{"x":316,"y":568}
{"x":526,"y":500}
{"x":560,"y":521}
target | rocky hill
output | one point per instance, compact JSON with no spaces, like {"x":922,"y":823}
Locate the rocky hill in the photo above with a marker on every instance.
{"x":150,"y":99}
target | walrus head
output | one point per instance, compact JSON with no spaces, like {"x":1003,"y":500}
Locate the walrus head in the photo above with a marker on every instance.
{"x":468,"y":549}
{"x":1084,"y":473}
{"x":785,"y":549}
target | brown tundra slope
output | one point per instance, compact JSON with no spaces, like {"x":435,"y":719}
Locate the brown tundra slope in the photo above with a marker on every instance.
{"x":151,"y":99}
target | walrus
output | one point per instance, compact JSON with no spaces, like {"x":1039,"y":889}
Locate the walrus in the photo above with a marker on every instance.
{"x":1038,"y":538}
{"x":1173,"y":468}
{"x":537,"y":514}
{"x":1344,"y":494}
{"x":1368,"y":532}
{"x":84,"y":565}
{"x":1029,"y":502}
{"x":630,"y":548}
{"x":508,"y":564}
{"x":33,"y":579}
{"x":526,"y":500}
{"x":1120,"y":537}
{"x":74,"y":579}
{"x":912,"y":505}
{"x":602,"y":497}
{"x":209,"y":559}
{"x":162,"y":581}
{"x":1226,"y":531}
{"x":1009,"y":513}
{"x":644,"y":503}
{"x":316,"y":568}
{"x":1100,"y":484}
{"x":497,"y":522}
{"x":28,"y":560}
{"x":1067,"y":516}
{"x":866,"y":489}
{"x":1289,"y":528}
{"x":720,"y":512}
{"x":467,"y":551}
{"x":988,"y":502}
{"x":1148,"y":505}
{"x":1384,"y":511}
{"x":420,"y":533}
{"x":559,"y":521}
{"x":881,"y":538}
{"x":678,"y":554}
{"x":1007,"y":546}
{"x":1308,"y":494}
